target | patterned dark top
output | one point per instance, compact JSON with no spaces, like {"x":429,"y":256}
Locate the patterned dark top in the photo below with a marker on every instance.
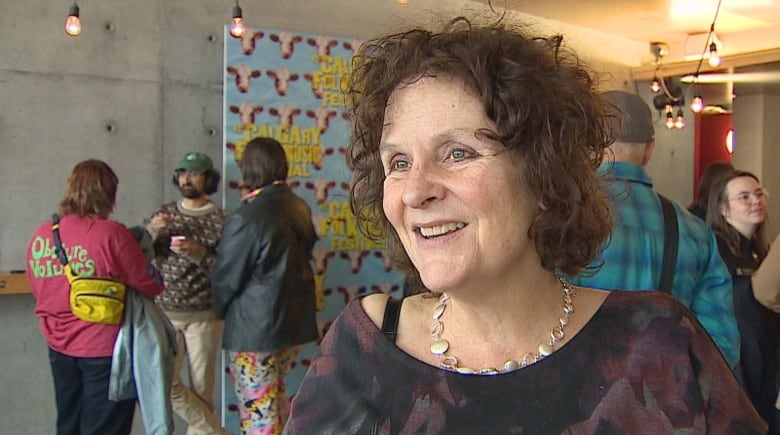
{"x":643,"y":364}
{"x":188,"y":284}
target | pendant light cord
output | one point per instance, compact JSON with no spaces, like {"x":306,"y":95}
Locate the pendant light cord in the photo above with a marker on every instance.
{"x":707,"y":41}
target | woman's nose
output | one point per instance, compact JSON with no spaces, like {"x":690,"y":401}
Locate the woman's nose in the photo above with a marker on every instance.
{"x":423,"y":185}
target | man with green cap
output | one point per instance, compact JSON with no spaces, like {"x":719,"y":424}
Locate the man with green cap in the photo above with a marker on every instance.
{"x":186,"y":233}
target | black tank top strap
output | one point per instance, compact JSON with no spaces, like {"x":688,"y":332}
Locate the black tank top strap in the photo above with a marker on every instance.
{"x":390,"y":320}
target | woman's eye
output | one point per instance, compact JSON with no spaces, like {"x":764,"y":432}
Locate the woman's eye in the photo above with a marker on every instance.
{"x":458,"y":154}
{"x":398,"y":165}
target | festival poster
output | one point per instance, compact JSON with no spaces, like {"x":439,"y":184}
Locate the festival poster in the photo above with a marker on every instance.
{"x":288,"y":85}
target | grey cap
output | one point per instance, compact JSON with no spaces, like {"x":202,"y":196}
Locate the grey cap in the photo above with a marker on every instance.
{"x":636,"y":121}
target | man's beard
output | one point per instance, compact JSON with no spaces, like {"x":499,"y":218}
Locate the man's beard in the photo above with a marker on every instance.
{"x":189,"y":192}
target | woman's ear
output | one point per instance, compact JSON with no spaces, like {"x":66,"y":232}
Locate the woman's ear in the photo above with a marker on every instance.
{"x":724,"y":210}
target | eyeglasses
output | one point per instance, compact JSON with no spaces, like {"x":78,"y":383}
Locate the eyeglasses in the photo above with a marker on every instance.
{"x":749,"y":197}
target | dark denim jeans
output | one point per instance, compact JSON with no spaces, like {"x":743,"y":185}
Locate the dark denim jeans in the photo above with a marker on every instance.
{"x":81,"y":393}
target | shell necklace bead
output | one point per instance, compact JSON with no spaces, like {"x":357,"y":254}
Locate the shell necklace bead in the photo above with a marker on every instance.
{"x":450,"y":362}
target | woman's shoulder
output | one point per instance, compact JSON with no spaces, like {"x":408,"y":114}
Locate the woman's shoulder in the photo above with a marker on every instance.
{"x":113,"y":228}
{"x":633,"y":312}
{"x":73,"y":223}
{"x":643,"y":301}
{"x":365,"y":312}
{"x":640,"y":324}
{"x":44,"y":229}
{"x":374,"y":307}
{"x":355,"y":325}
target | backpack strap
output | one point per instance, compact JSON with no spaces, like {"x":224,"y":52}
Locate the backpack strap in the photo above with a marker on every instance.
{"x":671,"y":241}
{"x":55,"y":229}
{"x":390,"y":320}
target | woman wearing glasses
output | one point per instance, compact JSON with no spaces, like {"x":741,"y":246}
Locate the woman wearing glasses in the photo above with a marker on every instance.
{"x":737,"y":212}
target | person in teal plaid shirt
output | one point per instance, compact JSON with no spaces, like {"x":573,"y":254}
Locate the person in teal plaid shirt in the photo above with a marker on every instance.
{"x":632,"y":257}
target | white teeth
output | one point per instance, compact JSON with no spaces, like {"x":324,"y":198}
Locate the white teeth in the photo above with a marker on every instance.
{"x":440,"y":229}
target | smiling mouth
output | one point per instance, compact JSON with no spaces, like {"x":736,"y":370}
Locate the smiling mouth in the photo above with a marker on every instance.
{"x":440,"y":230}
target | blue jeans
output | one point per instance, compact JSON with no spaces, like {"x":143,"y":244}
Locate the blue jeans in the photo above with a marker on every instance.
{"x":81,"y":393}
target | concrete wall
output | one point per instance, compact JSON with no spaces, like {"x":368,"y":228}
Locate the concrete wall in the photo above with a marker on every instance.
{"x":770,"y":176}
{"x":139,"y":87}
{"x":671,"y":165}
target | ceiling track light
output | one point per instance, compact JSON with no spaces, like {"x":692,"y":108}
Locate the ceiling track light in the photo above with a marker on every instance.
{"x":660,"y":50}
{"x":237,"y":28}
{"x":73,"y":23}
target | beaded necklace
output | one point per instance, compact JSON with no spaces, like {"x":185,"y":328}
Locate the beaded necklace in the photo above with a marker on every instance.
{"x":440,"y":346}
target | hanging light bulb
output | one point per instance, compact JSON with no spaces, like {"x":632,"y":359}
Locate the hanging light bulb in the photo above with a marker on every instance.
{"x":655,"y":85}
{"x":72,"y":23}
{"x":714,"y":59}
{"x":697,"y":104}
{"x":669,"y":119}
{"x":237,"y":28}
{"x":679,"y":122}
{"x":402,"y":2}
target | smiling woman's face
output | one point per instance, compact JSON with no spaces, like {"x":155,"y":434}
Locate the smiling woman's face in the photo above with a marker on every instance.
{"x":455,"y":199}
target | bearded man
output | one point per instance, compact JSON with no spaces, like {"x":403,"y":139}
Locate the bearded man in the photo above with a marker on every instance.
{"x":186,"y":233}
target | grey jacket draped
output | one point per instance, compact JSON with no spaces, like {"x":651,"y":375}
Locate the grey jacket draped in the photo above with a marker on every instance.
{"x":142,"y":364}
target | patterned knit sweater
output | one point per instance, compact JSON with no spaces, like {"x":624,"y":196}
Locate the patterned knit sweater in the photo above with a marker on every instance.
{"x":188,"y":283}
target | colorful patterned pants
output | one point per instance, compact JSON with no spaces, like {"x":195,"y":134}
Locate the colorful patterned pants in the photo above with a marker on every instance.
{"x":258,"y":379}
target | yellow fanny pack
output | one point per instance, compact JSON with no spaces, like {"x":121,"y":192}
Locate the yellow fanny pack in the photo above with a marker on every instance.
{"x":96,"y":300}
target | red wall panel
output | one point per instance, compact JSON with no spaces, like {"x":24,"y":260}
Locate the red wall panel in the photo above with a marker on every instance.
{"x":710,"y":143}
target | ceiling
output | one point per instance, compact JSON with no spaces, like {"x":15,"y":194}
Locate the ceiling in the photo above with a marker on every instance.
{"x":744,"y":26}
{"x":748,"y":29}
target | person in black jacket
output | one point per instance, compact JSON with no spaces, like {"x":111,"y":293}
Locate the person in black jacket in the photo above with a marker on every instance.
{"x":737,"y":212}
{"x":263,"y":285}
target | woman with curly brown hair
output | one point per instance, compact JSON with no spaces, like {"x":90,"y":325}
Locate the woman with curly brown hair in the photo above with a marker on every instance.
{"x":475,"y":152}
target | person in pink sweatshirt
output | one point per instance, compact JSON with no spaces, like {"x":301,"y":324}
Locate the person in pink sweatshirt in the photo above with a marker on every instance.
{"x":80,"y":351}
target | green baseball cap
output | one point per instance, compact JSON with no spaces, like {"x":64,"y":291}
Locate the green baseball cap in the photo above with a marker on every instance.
{"x":195,"y":161}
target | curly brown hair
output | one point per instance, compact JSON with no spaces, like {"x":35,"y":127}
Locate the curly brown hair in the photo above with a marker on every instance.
{"x":544,"y":103}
